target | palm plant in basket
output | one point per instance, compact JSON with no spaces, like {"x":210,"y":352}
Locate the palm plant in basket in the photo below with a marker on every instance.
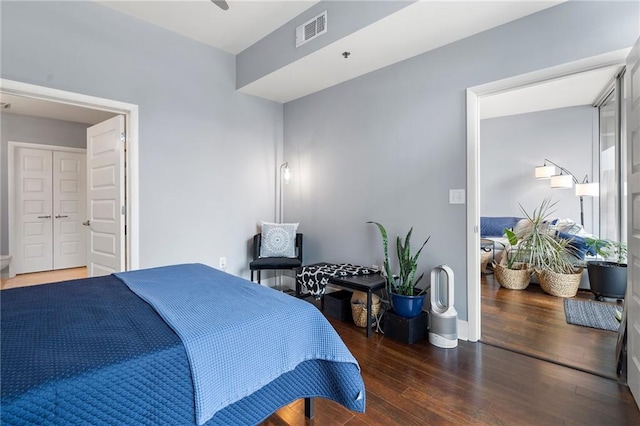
{"x":553,"y":259}
{"x":402,"y":286}
{"x":511,"y":273}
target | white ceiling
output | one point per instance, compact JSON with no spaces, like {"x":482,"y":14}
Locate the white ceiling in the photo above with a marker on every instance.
{"x":47,"y":109}
{"x":417,"y":28}
{"x":573,"y":90}
{"x":233,"y":30}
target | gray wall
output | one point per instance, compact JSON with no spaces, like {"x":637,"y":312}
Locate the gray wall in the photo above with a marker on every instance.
{"x":207,"y":153}
{"x":389,"y":145}
{"x":45,"y":131}
{"x":510,"y":148}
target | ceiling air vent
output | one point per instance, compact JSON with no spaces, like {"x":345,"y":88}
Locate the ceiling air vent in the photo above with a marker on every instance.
{"x":311,"y":29}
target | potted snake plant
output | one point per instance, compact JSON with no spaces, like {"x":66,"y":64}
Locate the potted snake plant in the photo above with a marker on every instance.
{"x":406,"y":299}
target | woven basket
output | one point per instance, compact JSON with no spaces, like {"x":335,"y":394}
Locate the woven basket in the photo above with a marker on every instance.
{"x":560,"y":285}
{"x":513,"y":279}
{"x":359,"y":313}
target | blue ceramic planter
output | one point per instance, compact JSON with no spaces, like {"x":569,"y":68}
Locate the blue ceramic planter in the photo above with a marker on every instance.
{"x":407,"y":306}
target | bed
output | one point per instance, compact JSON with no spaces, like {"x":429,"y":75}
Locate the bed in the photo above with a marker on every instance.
{"x":106,"y":351}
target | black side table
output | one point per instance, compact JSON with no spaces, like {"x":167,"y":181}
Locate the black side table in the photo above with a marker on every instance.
{"x":365,"y":283}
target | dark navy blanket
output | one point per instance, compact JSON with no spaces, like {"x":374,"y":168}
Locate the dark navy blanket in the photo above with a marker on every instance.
{"x":92,"y":352}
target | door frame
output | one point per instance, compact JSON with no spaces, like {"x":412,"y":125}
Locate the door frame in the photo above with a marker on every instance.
{"x":11,"y":200}
{"x":131,"y":114}
{"x":473,"y":94}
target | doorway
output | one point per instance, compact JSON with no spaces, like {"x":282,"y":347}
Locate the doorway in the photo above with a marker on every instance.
{"x":519,"y":335}
{"x":130,"y":114}
{"x":473,"y":163}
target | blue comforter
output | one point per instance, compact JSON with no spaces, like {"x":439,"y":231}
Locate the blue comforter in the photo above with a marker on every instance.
{"x":223,"y":320}
{"x":92,"y":352}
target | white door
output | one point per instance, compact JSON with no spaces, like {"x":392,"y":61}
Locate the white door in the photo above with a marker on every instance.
{"x":632,"y":299}
{"x":105,"y":197}
{"x":69,"y":210}
{"x":33,"y":185}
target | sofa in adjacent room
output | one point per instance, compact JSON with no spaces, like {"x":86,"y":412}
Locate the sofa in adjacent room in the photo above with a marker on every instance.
{"x":493,"y":228}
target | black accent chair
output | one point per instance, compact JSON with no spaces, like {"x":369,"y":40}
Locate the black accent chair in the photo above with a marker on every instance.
{"x":274,"y":263}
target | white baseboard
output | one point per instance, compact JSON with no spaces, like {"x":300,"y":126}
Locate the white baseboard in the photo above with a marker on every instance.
{"x":463,"y":330}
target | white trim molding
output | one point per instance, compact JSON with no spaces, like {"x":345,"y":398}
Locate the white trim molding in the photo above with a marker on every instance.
{"x":473,"y":162}
{"x":130,"y":111}
{"x":463,"y":330}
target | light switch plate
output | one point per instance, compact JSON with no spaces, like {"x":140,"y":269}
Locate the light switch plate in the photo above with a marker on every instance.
{"x":456,"y":196}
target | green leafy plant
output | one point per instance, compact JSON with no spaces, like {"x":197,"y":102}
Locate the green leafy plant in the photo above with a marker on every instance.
{"x":540,"y":247}
{"x":614,"y":251}
{"x":405,"y":281}
{"x":510,"y":258}
{"x":513,"y":241}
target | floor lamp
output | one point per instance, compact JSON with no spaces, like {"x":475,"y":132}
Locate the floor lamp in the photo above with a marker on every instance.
{"x":566,"y":179}
{"x":285,"y":176}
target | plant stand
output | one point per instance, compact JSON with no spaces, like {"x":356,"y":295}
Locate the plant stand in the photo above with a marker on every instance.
{"x":405,"y":330}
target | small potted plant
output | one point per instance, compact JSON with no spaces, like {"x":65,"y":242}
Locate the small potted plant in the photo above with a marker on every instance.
{"x":406,"y":299}
{"x":511,"y":273}
{"x":608,"y":276}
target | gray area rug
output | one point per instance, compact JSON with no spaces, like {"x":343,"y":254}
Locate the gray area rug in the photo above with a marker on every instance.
{"x":591,"y":314}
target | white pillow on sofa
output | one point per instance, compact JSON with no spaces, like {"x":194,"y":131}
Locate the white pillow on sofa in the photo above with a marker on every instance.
{"x":278,"y":239}
{"x":521,"y":227}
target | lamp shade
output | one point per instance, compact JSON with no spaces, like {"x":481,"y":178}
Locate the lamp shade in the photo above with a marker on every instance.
{"x":561,"y":181}
{"x":587,"y":189}
{"x":544,"y":172}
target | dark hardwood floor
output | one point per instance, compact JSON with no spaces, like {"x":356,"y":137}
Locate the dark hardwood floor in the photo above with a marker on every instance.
{"x":474,"y":383}
{"x":533,"y":322}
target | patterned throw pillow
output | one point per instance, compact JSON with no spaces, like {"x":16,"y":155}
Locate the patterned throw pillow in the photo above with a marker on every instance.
{"x":278,"y":239}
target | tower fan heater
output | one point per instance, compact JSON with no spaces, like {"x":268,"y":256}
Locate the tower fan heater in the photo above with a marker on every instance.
{"x":443,"y":317}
